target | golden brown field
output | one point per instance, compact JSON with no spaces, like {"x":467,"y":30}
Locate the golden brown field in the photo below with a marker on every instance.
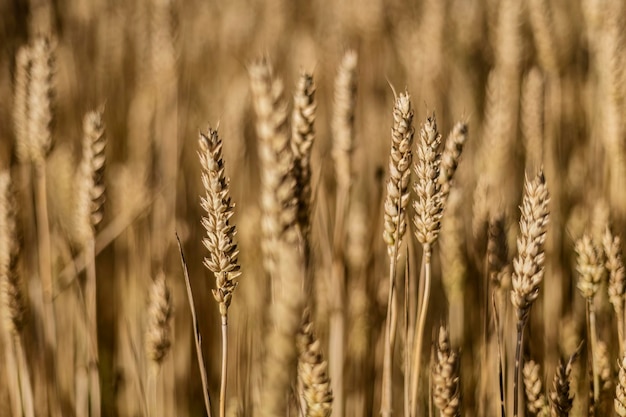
{"x":312,"y":208}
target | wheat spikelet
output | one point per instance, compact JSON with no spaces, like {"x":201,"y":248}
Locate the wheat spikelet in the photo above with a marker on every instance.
{"x":400,"y":160}
{"x":12,"y":298}
{"x":302,"y":138}
{"x":428,"y":205}
{"x":343,"y":119}
{"x":158,"y":339}
{"x":560,"y":399}
{"x":528,"y":265}
{"x":535,"y":399}
{"x":446,"y":382}
{"x":603,"y":363}
{"x":219,"y":240}
{"x":278,"y":193}
{"x":23,"y":66}
{"x":39,"y":103}
{"x":590,"y":266}
{"x":90,"y":187}
{"x":313,"y":372}
{"x":450,"y":158}
{"x":615,"y":266}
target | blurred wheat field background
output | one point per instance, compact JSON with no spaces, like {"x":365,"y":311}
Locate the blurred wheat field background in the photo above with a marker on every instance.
{"x":291,"y":208}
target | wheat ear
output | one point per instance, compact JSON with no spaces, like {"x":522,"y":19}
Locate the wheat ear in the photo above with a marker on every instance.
{"x":302,"y":138}
{"x":342,"y":129}
{"x":528,"y":265}
{"x":158,"y":338}
{"x":396,"y":203}
{"x":12,"y":301}
{"x":617,"y":281}
{"x":590,"y":266}
{"x":620,"y":388}
{"x":278,"y":185}
{"x":560,"y":399}
{"x":88,"y":216}
{"x":313,"y":380}
{"x":446,"y":379}
{"x":428,"y":211}
{"x":23,"y":67}
{"x":282,"y":236}
{"x":219,"y":240}
{"x":450,"y":158}
{"x":536,"y":401}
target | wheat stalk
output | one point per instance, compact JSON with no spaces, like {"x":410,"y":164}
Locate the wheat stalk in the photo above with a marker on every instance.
{"x":219,"y":240}
{"x":528,"y":265}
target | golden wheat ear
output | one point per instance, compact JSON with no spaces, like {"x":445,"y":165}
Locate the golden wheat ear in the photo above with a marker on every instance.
{"x":446,"y":379}
{"x":313,"y":381}
{"x":220,"y":237}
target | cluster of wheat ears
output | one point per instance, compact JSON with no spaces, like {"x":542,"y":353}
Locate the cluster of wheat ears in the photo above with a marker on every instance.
{"x":442,"y":249}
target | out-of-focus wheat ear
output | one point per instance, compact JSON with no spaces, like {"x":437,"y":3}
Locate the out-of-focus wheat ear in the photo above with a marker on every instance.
{"x":590,"y":266}
{"x":536,"y":401}
{"x":313,"y":382}
{"x":528,"y":265}
{"x":450,"y":158}
{"x":158,"y":338}
{"x":428,"y":205}
{"x":220,"y":237}
{"x":40,"y":98}
{"x":302,"y":138}
{"x":13,"y":302}
{"x":560,"y":399}
{"x":497,"y":249}
{"x":400,"y":159}
{"x":620,"y":388}
{"x":90,"y":179}
{"x":446,"y":378}
{"x":342,"y":123}
{"x":89,"y":212}
{"x":617,"y":281}
{"x":23,"y":67}
{"x":532,"y":115}
{"x":540,"y":17}
{"x":278,"y":185}
{"x":453,"y":263}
